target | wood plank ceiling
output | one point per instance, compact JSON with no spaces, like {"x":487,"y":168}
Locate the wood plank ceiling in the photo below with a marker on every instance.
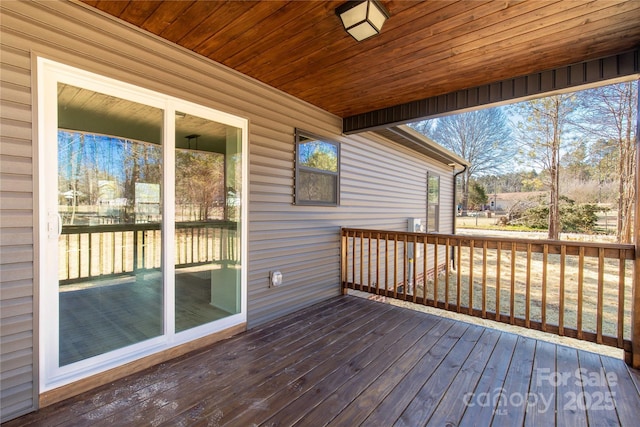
{"x":425,"y":49}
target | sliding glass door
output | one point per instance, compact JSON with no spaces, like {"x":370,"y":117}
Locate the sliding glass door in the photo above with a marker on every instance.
{"x":142,"y":214}
{"x":207,"y":216}
{"x":109,"y":187}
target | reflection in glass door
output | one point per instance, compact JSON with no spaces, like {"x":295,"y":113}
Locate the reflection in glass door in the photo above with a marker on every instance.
{"x":140,"y":210}
{"x":109,"y":204}
{"x":207,"y":216}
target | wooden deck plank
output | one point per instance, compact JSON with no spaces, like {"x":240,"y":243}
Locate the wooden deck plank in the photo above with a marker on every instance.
{"x":541,"y":399}
{"x":624,"y":389}
{"x":167,"y":381}
{"x":427,"y":399}
{"x":567,"y":413}
{"x":304,"y":410}
{"x":635,"y":377}
{"x":344,"y":396}
{"x":450,"y":409}
{"x":596,"y":394}
{"x":391,"y":408}
{"x":349,"y":362}
{"x":294,"y":377}
{"x":479,"y":409}
{"x":359,"y":407}
{"x":162,"y":373}
{"x":510,"y":409}
{"x":221,"y":375}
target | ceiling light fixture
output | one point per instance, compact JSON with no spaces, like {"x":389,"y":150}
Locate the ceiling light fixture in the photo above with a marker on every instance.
{"x":193,"y":136}
{"x":362,"y":18}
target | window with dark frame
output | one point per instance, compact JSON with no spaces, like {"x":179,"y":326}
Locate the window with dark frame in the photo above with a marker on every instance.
{"x":317,"y":170}
{"x":433,"y":202}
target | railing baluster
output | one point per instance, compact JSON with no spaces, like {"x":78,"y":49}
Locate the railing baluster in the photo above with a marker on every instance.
{"x":151,"y":252}
{"x":580,"y":291}
{"x":378,"y":263}
{"x":386,"y":263}
{"x":435,"y":270}
{"x":425,"y":268}
{"x":470,"y":302}
{"x":100,"y":253}
{"x":543,"y":308}
{"x":498,"y":262}
{"x":563,"y":256}
{"x":68,"y":255}
{"x":109,"y":251}
{"x":220,"y":244}
{"x":145,"y":249}
{"x":353,"y":261}
{"x":369,"y":263}
{"x":361,"y":278}
{"x":125,"y":254}
{"x":90,"y":251}
{"x":405,"y":273}
{"x":105,"y":253}
{"x":345,"y":262}
{"x":152,"y":248}
{"x":414,"y":287}
{"x":344,"y":251}
{"x":134,"y":250}
{"x":512,"y":296}
{"x":80,"y":254}
{"x":395,"y":265}
{"x":459,"y":277}
{"x":621,"y":285}
{"x":206,"y":244}
{"x":200,"y":249}
{"x":600,"y":303}
{"x":190,"y":248}
{"x":112,"y":263}
{"x":446,"y":274}
{"x":527,"y":303}
{"x":117,"y":249}
{"x":484,"y":279}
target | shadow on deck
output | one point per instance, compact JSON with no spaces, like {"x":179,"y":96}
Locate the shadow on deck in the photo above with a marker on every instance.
{"x":350,"y":361}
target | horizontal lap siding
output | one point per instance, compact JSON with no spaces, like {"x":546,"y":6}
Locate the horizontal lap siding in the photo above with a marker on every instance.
{"x":16,"y":234}
{"x":382,"y":184}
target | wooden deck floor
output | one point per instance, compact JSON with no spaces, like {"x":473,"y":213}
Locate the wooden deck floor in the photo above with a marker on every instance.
{"x":349,"y":362}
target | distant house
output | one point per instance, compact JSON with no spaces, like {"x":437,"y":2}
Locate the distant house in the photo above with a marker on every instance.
{"x":505,"y":201}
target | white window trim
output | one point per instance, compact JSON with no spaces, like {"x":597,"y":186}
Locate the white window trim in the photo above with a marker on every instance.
{"x":49,"y":73}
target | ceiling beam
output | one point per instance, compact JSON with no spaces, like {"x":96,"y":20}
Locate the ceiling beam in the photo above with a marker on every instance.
{"x":563,"y":79}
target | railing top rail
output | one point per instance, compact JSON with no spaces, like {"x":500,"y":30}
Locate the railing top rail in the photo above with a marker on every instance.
{"x":628,"y":249}
{"x":104,"y":228}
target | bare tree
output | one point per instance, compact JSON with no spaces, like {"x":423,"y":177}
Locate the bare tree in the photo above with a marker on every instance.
{"x":541,"y":132}
{"x":610,"y":113}
{"x":481,"y":137}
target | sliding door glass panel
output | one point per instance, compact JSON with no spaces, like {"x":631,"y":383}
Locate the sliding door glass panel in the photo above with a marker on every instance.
{"x":207,"y":215}
{"x":109,"y":202}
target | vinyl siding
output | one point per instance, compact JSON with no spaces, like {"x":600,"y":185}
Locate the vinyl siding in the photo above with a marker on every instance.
{"x":382,"y":184}
{"x":17,"y":394}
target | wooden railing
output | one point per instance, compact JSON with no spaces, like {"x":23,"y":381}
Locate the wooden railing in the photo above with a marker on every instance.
{"x":120,"y":249}
{"x":576,"y":289}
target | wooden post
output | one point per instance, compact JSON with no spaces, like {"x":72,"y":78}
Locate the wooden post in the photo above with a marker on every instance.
{"x":633,"y":359}
{"x":343,"y":260}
